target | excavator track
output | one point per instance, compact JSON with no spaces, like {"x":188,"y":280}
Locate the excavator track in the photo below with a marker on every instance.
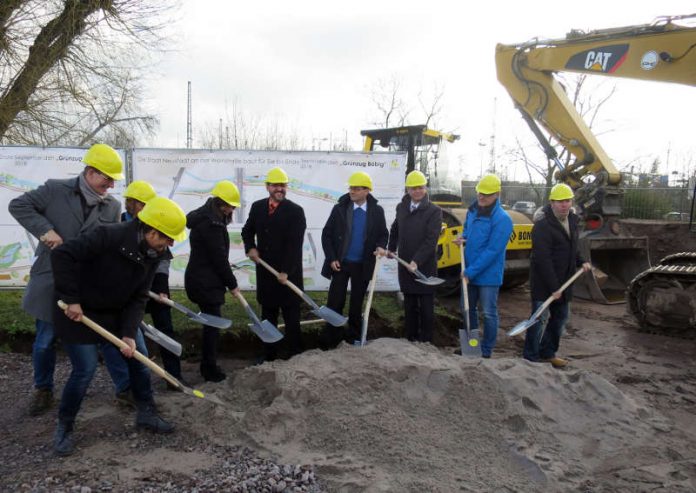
{"x":663,"y":298}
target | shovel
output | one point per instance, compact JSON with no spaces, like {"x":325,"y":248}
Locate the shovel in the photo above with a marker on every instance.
{"x":161,"y":338}
{"x":335,"y":319}
{"x":144,"y":359}
{"x":266,"y":331}
{"x":523,"y":326}
{"x":468,"y":339}
{"x":420,"y":277}
{"x":366,"y":314}
{"x":203,"y":318}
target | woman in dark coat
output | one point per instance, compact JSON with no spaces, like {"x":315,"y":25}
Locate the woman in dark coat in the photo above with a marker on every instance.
{"x":208,"y":273}
{"x":413,"y":236}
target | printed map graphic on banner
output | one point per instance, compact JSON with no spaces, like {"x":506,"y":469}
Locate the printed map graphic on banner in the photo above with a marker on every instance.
{"x":23,"y":169}
{"x":317,"y":180}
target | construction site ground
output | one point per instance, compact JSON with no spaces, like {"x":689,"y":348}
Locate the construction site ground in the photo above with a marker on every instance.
{"x":393,"y":416}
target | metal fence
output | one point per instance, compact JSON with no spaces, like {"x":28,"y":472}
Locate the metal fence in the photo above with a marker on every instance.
{"x":664,"y":203}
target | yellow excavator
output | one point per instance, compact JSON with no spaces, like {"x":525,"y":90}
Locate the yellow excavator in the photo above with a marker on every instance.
{"x":661,"y":296}
{"x":423,"y":146}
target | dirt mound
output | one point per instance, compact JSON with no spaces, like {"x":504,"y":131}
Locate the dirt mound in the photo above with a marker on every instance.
{"x":396,"y":416}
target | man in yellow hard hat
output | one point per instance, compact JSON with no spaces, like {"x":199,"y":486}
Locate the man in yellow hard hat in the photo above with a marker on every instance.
{"x":208,"y":273}
{"x":105,"y":275}
{"x":555,"y":258}
{"x":486,"y":232}
{"x":274,"y":232}
{"x":137,"y":194}
{"x":354,"y":233}
{"x":57,"y":211}
{"x":413,"y":235}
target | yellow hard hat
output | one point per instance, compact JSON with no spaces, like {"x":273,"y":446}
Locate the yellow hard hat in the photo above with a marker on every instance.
{"x":416,"y":179}
{"x":227,"y":191}
{"x":277,"y":175}
{"x":488,"y":184}
{"x":140,"y":190}
{"x":561,"y":192}
{"x":105,"y":159}
{"x":360,"y":179}
{"x":165,"y":216}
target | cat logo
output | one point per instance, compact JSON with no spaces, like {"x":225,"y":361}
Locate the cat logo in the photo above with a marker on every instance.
{"x":604,"y":59}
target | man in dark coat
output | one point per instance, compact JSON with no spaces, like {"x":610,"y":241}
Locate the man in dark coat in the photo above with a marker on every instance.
{"x":106,"y":275}
{"x":555,"y":258}
{"x":208,"y":273}
{"x":355,"y":232}
{"x":58,"y":211}
{"x":414,"y":235}
{"x":274,"y":232}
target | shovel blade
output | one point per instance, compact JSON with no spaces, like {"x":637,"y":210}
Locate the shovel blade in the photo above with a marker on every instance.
{"x":197,"y":393}
{"x":431,"y":281}
{"x":521,"y":327}
{"x":267,"y":332}
{"x":212,"y":320}
{"x":469,"y":343}
{"x":333,"y":318}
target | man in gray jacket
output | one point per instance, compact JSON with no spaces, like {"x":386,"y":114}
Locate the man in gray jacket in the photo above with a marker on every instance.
{"x":55,"y":212}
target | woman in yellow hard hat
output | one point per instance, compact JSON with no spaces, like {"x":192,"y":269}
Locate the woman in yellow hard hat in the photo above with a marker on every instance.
{"x":208,"y":273}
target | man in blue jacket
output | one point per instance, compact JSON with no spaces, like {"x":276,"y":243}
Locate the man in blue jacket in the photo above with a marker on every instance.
{"x":355,"y":232}
{"x":486,"y":233}
{"x":555,"y":258}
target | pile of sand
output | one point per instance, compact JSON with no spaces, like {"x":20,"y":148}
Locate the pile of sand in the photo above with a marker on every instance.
{"x":396,"y":416}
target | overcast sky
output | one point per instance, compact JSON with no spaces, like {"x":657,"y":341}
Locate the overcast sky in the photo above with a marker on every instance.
{"x":311,"y":66}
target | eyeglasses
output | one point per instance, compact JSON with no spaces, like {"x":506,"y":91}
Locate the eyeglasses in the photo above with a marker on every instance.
{"x":106,"y":178}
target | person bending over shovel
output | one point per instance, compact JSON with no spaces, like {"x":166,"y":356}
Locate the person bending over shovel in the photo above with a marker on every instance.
{"x":208,"y":273}
{"x":555,"y":258}
{"x":355,"y":232}
{"x":106,"y":274}
{"x":414,"y":235}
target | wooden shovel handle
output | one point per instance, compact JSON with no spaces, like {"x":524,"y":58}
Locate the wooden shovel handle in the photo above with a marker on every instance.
{"x":550,"y":299}
{"x":157,"y":298}
{"x":270,"y":269}
{"x":122,"y":345}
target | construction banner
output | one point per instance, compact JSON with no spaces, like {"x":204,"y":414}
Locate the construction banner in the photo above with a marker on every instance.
{"x":317,"y":180}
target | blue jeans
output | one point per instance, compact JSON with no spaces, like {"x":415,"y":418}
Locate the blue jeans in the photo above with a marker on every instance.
{"x":43,"y":355}
{"x":116,"y":364}
{"x":537,"y":346}
{"x":83,"y":358}
{"x":488,"y":298}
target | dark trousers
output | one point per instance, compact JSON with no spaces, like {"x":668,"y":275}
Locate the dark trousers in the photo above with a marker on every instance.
{"x":551,"y":324}
{"x":353,"y":272}
{"x":162,"y":320}
{"x":419,"y":310}
{"x":293,"y":335}
{"x":211,"y":338}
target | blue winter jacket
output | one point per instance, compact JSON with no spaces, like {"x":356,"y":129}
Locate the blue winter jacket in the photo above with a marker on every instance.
{"x":486,"y":238}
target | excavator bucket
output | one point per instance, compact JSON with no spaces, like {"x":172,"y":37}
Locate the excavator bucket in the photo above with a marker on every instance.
{"x":616,"y":260}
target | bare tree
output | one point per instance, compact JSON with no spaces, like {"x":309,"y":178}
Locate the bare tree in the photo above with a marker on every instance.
{"x":71,"y":69}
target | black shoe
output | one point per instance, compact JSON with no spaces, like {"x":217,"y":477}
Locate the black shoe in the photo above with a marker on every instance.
{"x":148,"y":419}
{"x":41,"y":401}
{"x":213,"y":374}
{"x":62,"y":439}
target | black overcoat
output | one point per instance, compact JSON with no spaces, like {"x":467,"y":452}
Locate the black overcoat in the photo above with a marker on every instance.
{"x":414,"y":235}
{"x":278,"y":237}
{"x":208,"y":273}
{"x":335,"y":237}
{"x":555,"y":255}
{"x":108,"y":272}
